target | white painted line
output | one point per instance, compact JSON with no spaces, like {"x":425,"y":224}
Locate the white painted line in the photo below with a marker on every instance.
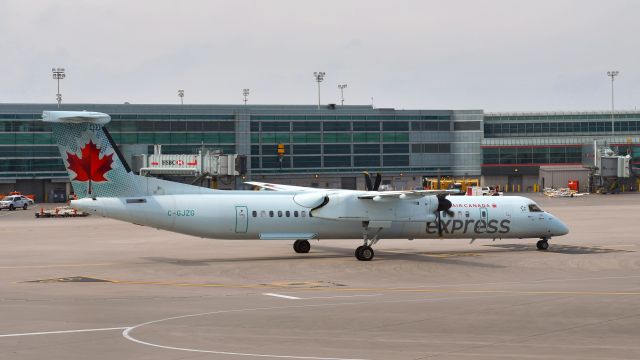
{"x":282,"y":296}
{"x":339,"y":296}
{"x":127,"y":331}
{"x":62,"y":332}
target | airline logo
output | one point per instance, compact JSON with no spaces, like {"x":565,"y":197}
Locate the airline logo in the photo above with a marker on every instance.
{"x":471,"y":227}
{"x":454,"y":205}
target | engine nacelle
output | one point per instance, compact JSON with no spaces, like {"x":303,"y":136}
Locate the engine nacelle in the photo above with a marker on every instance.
{"x":347,"y":206}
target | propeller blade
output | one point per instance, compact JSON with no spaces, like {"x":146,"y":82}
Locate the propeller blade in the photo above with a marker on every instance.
{"x":367,"y":181}
{"x":376,"y":185}
{"x":443,"y":203}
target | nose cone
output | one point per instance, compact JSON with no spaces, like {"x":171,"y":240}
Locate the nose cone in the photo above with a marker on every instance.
{"x":558,"y":228}
{"x":88,"y":205}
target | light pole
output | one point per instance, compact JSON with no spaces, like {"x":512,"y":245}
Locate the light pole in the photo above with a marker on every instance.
{"x":319,"y":76}
{"x":612,"y":74}
{"x":58,"y":74}
{"x":181,"y":95}
{"x":245,"y":94}
{"x":342,"y":87}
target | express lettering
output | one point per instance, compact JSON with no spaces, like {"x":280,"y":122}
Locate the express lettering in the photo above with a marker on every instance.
{"x":470,"y":226}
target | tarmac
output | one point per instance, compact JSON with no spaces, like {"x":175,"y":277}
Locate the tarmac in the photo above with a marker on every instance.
{"x":95,"y":288}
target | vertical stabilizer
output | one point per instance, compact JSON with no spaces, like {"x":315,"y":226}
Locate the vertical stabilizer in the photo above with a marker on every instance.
{"x":95,"y":166}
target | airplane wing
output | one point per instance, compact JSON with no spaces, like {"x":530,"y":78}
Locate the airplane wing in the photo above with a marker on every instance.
{"x":280,"y":187}
{"x":403,"y":194}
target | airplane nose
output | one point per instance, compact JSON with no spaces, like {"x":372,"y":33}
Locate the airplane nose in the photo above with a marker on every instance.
{"x":558,"y":228}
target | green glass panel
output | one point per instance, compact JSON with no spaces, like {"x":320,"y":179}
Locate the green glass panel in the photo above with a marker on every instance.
{"x":306,"y":138}
{"x":268,"y":137}
{"x":210,"y":138}
{"x":163,"y":138}
{"x":24,"y":138}
{"x":227,"y":138}
{"x":395,"y":137}
{"x":178,"y":138}
{"x":194,"y":138}
{"x":255,"y":138}
{"x":146,"y":138}
{"x":128,"y":138}
{"x":366,"y":137}
{"x":42,"y":138}
{"x":337,"y":137}
{"x":7,"y":138}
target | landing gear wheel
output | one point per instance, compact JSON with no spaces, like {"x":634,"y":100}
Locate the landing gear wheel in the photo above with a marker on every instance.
{"x":542,"y":244}
{"x":301,"y":246}
{"x":364,"y":253}
{"x":24,"y":207}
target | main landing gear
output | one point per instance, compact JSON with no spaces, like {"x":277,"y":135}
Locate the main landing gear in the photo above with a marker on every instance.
{"x":365,"y":252}
{"x":543,"y":244}
{"x":301,"y":246}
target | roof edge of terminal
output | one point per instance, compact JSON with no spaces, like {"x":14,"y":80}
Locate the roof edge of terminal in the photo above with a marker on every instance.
{"x":571,"y":112}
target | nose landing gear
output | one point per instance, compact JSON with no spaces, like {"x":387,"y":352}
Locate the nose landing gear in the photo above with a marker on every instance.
{"x":543,"y":244}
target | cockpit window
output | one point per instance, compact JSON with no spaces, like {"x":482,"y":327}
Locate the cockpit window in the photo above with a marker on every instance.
{"x":534,"y":208}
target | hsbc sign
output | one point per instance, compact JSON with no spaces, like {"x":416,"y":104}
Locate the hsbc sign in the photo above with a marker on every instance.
{"x":174,"y":161}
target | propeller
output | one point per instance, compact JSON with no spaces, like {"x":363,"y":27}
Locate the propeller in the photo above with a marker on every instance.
{"x":367,"y":181}
{"x":376,"y":184}
{"x":372,"y":186}
{"x":443,"y":205}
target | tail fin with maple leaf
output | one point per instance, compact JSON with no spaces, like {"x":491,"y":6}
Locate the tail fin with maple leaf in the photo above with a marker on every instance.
{"x":95,"y":166}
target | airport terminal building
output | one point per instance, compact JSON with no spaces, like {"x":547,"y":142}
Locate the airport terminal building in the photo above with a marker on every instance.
{"x":328,"y":146}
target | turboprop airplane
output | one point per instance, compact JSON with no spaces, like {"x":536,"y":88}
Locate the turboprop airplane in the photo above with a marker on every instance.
{"x":106,"y":186}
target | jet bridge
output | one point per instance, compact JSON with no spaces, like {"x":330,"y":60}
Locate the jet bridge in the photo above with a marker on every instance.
{"x":205,"y":161}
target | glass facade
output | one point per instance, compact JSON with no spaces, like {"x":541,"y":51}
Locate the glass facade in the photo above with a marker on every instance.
{"x":559,"y":125}
{"x":532,"y":155}
{"x":337,"y":140}
{"x":335,"y":143}
{"x":552,"y":138}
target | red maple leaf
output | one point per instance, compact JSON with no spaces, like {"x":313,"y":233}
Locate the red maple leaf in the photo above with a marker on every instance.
{"x":90,"y":167}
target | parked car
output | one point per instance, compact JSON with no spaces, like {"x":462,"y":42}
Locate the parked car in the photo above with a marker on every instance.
{"x":13,"y":202}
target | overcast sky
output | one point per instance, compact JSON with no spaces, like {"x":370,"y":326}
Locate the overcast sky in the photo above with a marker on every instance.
{"x":467,"y":54}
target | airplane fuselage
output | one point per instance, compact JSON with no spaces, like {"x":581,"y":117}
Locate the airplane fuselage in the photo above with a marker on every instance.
{"x":276,"y":215}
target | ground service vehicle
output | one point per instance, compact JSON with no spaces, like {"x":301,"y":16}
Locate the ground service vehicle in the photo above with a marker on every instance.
{"x":13,"y":202}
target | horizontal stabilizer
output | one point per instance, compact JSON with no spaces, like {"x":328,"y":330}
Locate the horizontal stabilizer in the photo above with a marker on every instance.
{"x":75,"y":117}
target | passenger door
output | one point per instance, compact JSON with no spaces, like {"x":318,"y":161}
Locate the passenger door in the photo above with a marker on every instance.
{"x":242,"y":219}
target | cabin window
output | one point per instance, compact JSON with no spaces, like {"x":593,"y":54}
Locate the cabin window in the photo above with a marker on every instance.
{"x":466,"y":214}
{"x":534,"y":208}
{"x":263,"y":213}
{"x":279,"y":213}
{"x":483,"y":213}
{"x":295,"y":213}
{"x":254,"y":213}
{"x":287,"y":213}
{"x":303,"y":213}
{"x":270,"y":213}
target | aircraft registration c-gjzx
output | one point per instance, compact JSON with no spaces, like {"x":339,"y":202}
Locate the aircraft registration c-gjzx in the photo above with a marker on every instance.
{"x":107,"y":186}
